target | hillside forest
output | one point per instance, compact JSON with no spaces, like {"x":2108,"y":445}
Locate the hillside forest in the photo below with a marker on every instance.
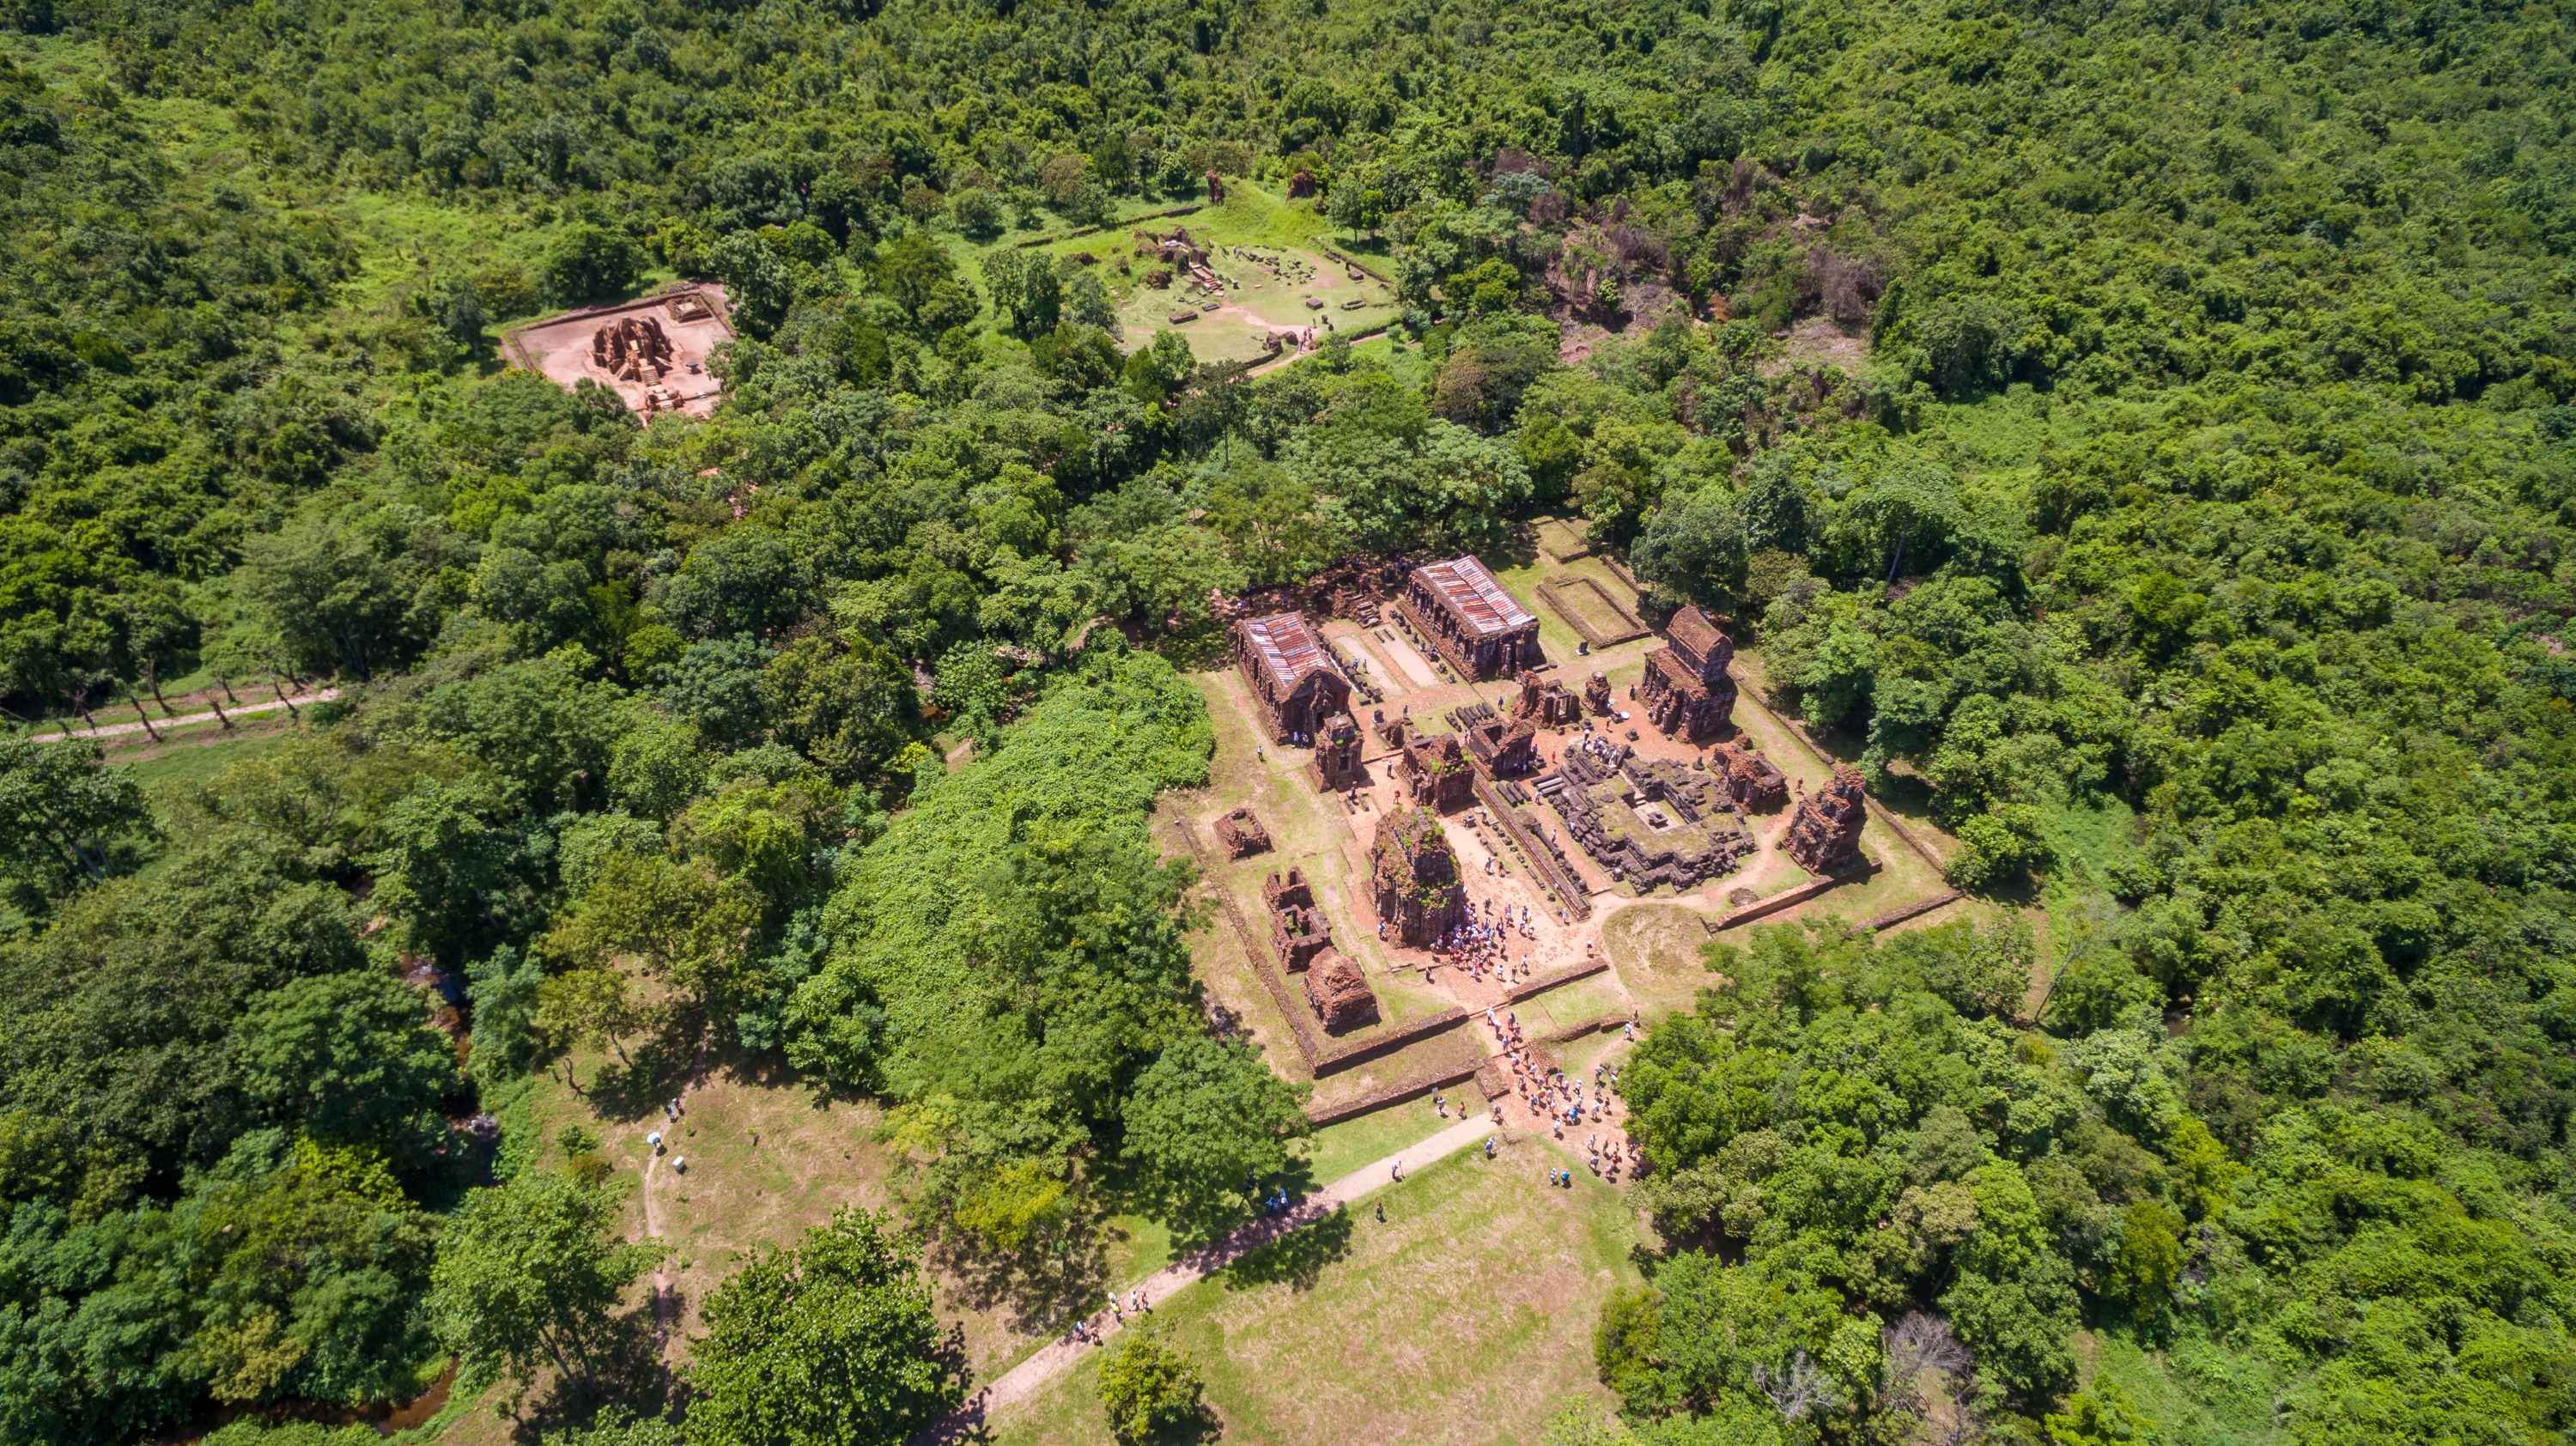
{"x":2141,"y":430}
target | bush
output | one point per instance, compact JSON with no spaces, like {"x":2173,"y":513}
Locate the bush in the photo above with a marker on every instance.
{"x":1149,"y":1388}
{"x":1998,"y":847}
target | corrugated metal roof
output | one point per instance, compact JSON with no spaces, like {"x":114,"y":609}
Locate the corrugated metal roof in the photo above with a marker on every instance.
{"x":1287,"y":648}
{"x":1471,"y":592}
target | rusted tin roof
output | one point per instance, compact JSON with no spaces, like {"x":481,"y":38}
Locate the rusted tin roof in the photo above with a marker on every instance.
{"x":1472,"y":595}
{"x":1287,"y":648}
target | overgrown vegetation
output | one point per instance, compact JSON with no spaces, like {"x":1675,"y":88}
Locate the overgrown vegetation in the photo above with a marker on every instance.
{"x":2144,"y":432}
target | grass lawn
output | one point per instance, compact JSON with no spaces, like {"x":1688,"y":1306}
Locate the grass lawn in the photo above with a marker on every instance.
{"x":1567,"y":1005}
{"x":1466,"y":1317}
{"x":1337,"y":1150}
{"x":190,"y":756}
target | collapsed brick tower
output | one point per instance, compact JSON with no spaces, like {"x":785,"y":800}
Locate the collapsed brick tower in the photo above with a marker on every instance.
{"x":1414,"y":877}
{"x":1545,"y":703}
{"x":1824,"y":834}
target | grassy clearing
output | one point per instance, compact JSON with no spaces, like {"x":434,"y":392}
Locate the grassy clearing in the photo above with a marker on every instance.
{"x":2194,"y":1393}
{"x":195,"y":755}
{"x":1655,"y":949}
{"x":1466,"y":1317}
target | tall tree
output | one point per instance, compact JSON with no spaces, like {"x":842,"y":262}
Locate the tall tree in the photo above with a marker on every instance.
{"x":832,"y":1343}
{"x":527,"y":1279}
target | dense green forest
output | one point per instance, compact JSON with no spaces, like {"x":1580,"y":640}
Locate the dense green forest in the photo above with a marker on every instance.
{"x":2194,"y":541}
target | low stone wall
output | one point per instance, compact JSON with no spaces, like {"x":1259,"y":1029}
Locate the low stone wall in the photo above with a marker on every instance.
{"x":1389,"y":1042}
{"x":1554,"y":592}
{"x":1903,"y":912}
{"x":1390,"y":1095}
{"x":1786,"y":898}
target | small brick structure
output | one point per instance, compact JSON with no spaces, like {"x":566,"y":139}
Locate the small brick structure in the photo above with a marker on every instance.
{"x":1337,"y":763}
{"x":1503,"y":747}
{"x":1545,"y":703}
{"x":1340,"y":993}
{"x":1686,"y":689}
{"x":1298,"y":931}
{"x":1471,"y":620}
{"x":1756,"y":782}
{"x":1242,"y":834}
{"x":1413,"y":877}
{"x":1436,"y":772}
{"x":1596,"y":695}
{"x":1824,"y":834}
{"x":1292,"y":678}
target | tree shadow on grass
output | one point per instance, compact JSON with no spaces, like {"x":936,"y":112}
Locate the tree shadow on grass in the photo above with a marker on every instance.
{"x":627,"y":1370}
{"x":1047,"y":1282}
{"x":1296,"y":1259}
{"x":634,"y":1088}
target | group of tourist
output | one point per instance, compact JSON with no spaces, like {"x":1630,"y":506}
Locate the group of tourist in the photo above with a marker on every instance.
{"x":1548,"y":1091}
{"x":1482,"y":944}
{"x":1084,"y":1333}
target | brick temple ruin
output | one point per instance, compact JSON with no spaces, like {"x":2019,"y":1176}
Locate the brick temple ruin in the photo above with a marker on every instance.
{"x":1471,"y":620}
{"x":1757,"y":783}
{"x":1242,"y":834}
{"x":652,"y":351}
{"x":1435,"y":770}
{"x":1303,"y":939}
{"x":1339,"y":993}
{"x":1292,"y":678}
{"x":1413,"y":877}
{"x":1336,"y":764}
{"x":1824,"y":834}
{"x":1596,"y":695}
{"x":1298,"y":932}
{"x":1649,"y":821}
{"x":1547,"y":704}
{"x":1686,"y":690}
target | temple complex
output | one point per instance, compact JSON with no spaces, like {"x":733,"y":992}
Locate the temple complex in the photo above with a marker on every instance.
{"x":1824,"y":834}
{"x":1475,"y":625}
{"x":1291,"y":677}
{"x":1413,"y":876}
{"x":652,"y":351}
{"x":1649,"y":821}
{"x":1686,"y":690}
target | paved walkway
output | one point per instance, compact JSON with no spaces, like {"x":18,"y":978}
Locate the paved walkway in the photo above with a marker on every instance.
{"x":111,"y":730}
{"x":1025,"y":1379}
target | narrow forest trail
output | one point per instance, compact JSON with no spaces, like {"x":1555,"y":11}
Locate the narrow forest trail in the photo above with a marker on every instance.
{"x":1025,"y":1379}
{"x":246,"y":710}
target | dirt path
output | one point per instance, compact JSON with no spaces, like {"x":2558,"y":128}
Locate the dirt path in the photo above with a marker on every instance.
{"x":661,"y":1270}
{"x":115,"y":730}
{"x":1028,"y":1377}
